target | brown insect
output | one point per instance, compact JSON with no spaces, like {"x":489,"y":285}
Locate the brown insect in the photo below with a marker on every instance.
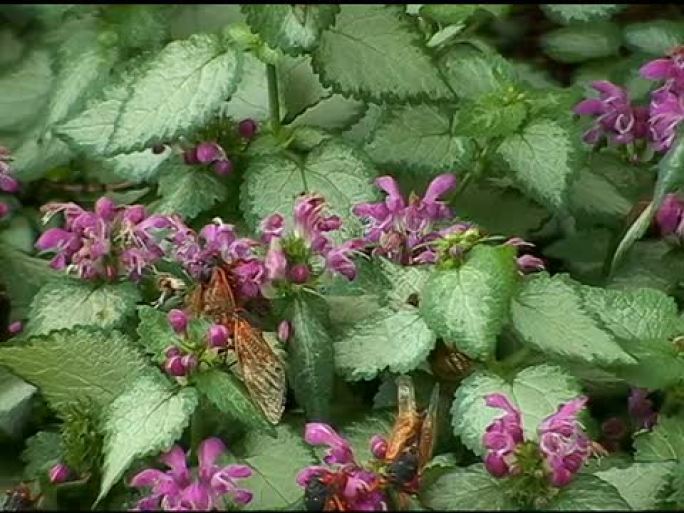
{"x":263,"y":371}
{"x":449,"y":364}
{"x":411,"y":441}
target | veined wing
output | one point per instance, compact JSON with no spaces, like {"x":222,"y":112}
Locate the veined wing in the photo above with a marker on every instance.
{"x":262,"y":369}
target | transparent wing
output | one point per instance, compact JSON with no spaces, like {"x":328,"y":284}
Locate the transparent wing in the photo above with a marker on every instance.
{"x":428,"y":430}
{"x":407,"y":423}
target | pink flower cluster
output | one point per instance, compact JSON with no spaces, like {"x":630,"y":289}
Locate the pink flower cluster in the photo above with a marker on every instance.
{"x":182,"y":361}
{"x":107,"y":242}
{"x":342,"y":477}
{"x":177,"y":489}
{"x":563,"y":445}
{"x":290,"y":254}
{"x":399,"y":229}
{"x":8,"y":183}
{"x":621,"y":122}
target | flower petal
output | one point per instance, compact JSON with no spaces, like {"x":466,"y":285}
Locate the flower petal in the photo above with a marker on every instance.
{"x":207,"y":454}
{"x":439,"y":186}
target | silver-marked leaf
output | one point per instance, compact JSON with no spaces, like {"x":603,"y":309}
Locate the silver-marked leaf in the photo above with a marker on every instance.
{"x":640,"y":484}
{"x":373,"y":52}
{"x":25,"y":91}
{"x":665,"y":442}
{"x":397,"y":340}
{"x":588,"y":493}
{"x":188,"y":190}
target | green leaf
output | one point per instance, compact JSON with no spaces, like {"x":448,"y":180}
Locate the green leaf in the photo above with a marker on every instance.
{"x":145,"y":420}
{"x":167,"y":99}
{"x":677,"y":486}
{"x":67,"y":302}
{"x":11,"y":48}
{"x":389,"y":339}
{"x":650,"y":263}
{"x":588,"y":493}
{"x":537,"y":391}
{"x":665,"y":442}
{"x":189,"y":19}
{"x":310,"y":356}
{"x":229,"y":395}
{"x":568,"y":13}
{"x":333,"y":169}
{"x":38,"y":154}
{"x":22,"y":276}
{"x":333,"y":113}
{"x":640,"y":484}
{"x":25,"y":91}
{"x":541,"y":158}
{"x":404,"y":282}
{"x":83,"y":363}
{"x":137,"y":167}
{"x":84,"y":67}
{"x":15,"y":404}
{"x":655,"y":37}
{"x":188,"y":191}
{"x":549,"y":315}
{"x":373,"y":52}
{"x":42,"y":451}
{"x":292,"y":28}
{"x":594,"y":196}
{"x":466,"y":488}
{"x":250,"y":99}
{"x":155,"y":332}
{"x":359,"y":432}
{"x":633,"y":315}
{"x":468,"y":306}
{"x":472,"y":73}
{"x":300,"y":87}
{"x":492,"y":115}
{"x":459,"y":13}
{"x":578,"y":43}
{"x":276,"y":462}
{"x":419,"y":138}
{"x":346,"y":311}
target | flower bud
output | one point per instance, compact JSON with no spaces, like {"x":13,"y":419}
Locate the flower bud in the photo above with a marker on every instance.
{"x":284,"y":331}
{"x":105,"y":208}
{"x":495,"y":465}
{"x":614,"y":428}
{"x":189,"y":361}
{"x":299,"y":273}
{"x":172,"y":351}
{"x":190,"y":157}
{"x":8,"y":184}
{"x":174,"y":366}
{"x":4,"y":209}
{"x":208,"y":152}
{"x":218,"y":335}
{"x":15,"y":328}
{"x":222,"y":167}
{"x":247,"y":128}
{"x":134,"y":214}
{"x":378,"y":446}
{"x":59,"y":473}
{"x":178,"y":320}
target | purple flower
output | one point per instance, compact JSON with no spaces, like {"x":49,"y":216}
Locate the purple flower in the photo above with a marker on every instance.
{"x":502,"y":437}
{"x":669,"y":215}
{"x":4,"y":209}
{"x":285,"y":331}
{"x":398,"y":229}
{"x":222,"y":167}
{"x":275,"y":261}
{"x":272,"y":226}
{"x":339,"y":451}
{"x":218,"y":335}
{"x":7,"y":182}
{"x":338,"y":258}
{"x":247,"y":128}
{"x":59,"y":473}
{"x":616,"y":117}
{"x":378,"y":446}
{"x":176,"y":489}
{"x":563,"y":443}
{"x":250,"y":277}
{"x":178,"y":320}
{"x":299,"y":273}
{"x":666,"y":112}
{"x":670,"y":69}
{"x":356,"y":488}
{"x":208,"y":152}
{"x":529,"y":263}
{"x":640,"y":409}
{"x":15,"y":328}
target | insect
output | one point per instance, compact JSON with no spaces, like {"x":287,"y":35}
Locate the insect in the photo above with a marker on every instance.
{"x":411,"y":441}
{"x":324,"y":493}
{"x":170,"y":287}
{"x":18,"y":498}
{"x":450,"y":364}
{"x":263,"y":371}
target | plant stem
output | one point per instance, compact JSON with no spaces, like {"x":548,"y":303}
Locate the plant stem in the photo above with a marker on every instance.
{"x":196,"y":428}
{"x":273,"y":97}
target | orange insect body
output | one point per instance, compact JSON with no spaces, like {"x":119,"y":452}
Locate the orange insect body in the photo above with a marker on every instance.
{"x":262,"y":370}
